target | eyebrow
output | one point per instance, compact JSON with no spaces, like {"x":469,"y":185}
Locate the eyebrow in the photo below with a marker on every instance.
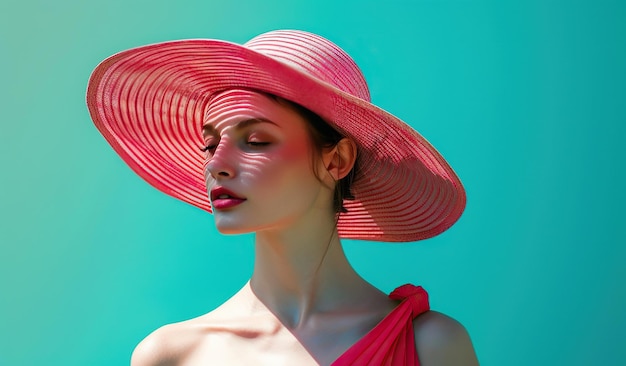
{"x":208,"y":129}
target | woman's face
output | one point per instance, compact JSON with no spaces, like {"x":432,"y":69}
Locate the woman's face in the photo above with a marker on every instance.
{"x":259,"y":171}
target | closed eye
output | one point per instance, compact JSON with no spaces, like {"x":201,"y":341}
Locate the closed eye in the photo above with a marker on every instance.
{"x":257,"y":143}
{"x":209,"y":148}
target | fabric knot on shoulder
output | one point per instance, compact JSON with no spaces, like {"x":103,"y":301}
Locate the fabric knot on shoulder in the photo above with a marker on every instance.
{"x":392,"y":341}
{"x":416,"y":296}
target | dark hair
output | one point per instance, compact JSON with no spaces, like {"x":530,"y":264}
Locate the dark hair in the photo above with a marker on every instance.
{"x":323,"y":135}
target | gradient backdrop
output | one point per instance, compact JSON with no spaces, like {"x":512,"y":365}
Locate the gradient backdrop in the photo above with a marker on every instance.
{"x":524,"y":98}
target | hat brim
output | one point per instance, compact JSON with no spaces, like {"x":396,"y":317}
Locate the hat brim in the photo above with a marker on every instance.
{"x":149,"y":104}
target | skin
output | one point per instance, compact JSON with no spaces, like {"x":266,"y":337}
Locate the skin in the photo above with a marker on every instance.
{"x":304,"y":304}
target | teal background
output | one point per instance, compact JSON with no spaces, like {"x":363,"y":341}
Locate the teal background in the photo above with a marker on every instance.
{"x":524,"y":98}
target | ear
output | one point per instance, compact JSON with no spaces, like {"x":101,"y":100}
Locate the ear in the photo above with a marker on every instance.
{"x":339,"y":160}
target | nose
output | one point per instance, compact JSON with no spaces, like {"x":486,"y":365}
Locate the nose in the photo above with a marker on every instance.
{"x":220,"y":164}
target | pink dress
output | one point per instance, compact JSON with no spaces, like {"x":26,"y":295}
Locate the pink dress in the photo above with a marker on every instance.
{"x":392,"y":341}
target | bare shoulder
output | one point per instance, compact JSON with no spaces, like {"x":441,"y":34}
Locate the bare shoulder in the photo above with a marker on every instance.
{"x":442,"y":341}
{"x":166,"y":346}
{"x":201,"y":339}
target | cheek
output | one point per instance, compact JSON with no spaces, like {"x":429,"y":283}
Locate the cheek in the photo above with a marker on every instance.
{"x":207,"y":175}
{"x":297,"y":154}
{"x":297,"y":157}
{"x":288,"y":168}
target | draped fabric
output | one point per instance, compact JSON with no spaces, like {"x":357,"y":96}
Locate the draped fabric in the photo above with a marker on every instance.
{"x":392,"y":341}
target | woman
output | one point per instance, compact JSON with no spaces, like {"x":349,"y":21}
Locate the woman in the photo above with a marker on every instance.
{"x":278,"y":137}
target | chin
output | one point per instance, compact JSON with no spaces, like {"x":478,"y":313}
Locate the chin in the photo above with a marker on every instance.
{"x":230,"y":231}
{"x":231,"y":223}
{"x":227,"y":226}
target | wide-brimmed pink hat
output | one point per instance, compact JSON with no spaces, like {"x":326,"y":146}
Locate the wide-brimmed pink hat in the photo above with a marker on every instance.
{"x":149,"y":103}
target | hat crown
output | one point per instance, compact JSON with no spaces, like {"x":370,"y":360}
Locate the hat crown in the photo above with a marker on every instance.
{"x":314,"y":55}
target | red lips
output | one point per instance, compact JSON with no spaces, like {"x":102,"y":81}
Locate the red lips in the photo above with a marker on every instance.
{"x":222,"y":198}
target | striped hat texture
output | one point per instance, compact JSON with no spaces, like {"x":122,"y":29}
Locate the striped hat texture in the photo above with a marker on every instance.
{"x":149,"y":103}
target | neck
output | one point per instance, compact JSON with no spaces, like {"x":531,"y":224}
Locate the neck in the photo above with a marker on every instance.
{"x":300,"y":273}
